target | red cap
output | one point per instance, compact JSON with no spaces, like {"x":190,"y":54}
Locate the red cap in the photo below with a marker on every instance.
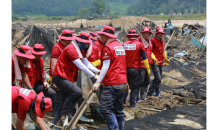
{"x":42,"y":105}
{"x":146,"y":29}
{"x":108,"y":31}
{"x":160,"y":30}
{"x":132,"y":33}
{"x":38,"y":49}
{"x":66,"y":35}
{"x":24,"y":51}
{"x":84,"y":38}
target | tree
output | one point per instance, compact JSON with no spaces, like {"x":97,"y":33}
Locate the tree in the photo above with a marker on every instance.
{"x":83,"y":12}
{"x":195,"y":11}
{"x":189,"y":10}
{"x":98,"y":6}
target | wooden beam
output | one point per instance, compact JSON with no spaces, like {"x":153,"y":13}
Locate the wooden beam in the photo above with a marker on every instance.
{"x":169,"y":39}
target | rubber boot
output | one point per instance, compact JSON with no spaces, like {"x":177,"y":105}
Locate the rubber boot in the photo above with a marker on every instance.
{"x":57,"y":117}
{"x":157,"y":91}
{"x":133,"y":97}
{"x":151,"y":89}
{"x":112,"y":122}
{"x":68,"y":105}
{"x":120,"y":121}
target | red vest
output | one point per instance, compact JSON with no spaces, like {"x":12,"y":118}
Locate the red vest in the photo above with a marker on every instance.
{"x":133,"y":49}
{"x":27,"y":94}
{"x":158,"y":49}
{"x":116,"y":73}
{"x":148,"y":54}
{"x":100,"y":47}
{"x":60,"y":46}
{"x":31,"y":72}
{"x":65,"y":67}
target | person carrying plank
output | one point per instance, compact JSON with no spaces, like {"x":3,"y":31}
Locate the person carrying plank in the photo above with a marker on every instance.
{"x":113,"y":77}
{"x":65,"y":39}
{"x":157,"y":43}
{"x":135,"y":51}
{"x":72,"y":58}
{"x":24,"y":101}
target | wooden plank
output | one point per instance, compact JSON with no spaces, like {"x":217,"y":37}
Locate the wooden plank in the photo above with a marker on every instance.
{"x":151,"y":109}
{"x":169,"y":39}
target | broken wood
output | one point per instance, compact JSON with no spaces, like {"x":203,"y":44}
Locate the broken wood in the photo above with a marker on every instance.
{"x":80,"y":111}
{"x":150,"y":109}
{"x":128,"y":116}
{"x":202,"y":90}
{"x":169,"y":39}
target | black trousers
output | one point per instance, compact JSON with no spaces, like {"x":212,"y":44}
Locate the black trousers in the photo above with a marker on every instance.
{"x":144,"y":82}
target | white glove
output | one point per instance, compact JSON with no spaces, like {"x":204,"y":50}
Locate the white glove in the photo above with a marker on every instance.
{"x":95,"y":87}
{"x":95,"y":76}
{"x":98,"y":71}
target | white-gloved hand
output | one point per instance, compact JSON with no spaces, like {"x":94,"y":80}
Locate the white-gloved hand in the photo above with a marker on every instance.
{"x":95,"y":76}
{"x":98,"y":71}
{"x":46,"y":85}
{"x":95,"y":87}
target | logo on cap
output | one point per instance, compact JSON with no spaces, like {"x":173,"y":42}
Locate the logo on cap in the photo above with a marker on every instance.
{"x":161,"y":30}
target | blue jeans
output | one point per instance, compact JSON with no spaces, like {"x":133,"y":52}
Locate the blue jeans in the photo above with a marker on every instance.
{"x":112,"y":100}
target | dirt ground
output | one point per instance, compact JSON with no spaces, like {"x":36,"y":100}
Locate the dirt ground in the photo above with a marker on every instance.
{"x":123,"y":21}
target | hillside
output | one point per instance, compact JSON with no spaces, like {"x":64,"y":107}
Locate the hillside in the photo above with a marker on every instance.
{"x":155,"y":7}
{"x":64,"y":7}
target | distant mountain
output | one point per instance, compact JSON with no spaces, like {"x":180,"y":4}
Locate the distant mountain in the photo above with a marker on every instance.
{"x":64,"y":7}
{"x":154,"y":7}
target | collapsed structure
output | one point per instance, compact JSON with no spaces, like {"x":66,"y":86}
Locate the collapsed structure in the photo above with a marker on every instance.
{"x":186,"y":49}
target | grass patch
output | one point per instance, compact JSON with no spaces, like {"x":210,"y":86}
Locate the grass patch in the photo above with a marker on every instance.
{"x":176,"y":17}
{"x":167,"y":81}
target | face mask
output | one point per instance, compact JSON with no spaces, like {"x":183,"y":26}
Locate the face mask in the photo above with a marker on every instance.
{"x":82,"y":46}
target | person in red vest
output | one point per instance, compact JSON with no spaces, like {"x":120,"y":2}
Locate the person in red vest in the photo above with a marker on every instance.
{"x":20,"y":64}
{"x":145,"y":79}
{"x":158,"y":50}
{"x":65,"y":39}
{"x":72,"y":58}
{"x":113,"y":76}
{"x":36,"y":74}
{"x":24,"y":101}
{"x":96,"y":53}
{"x":135,"y":51}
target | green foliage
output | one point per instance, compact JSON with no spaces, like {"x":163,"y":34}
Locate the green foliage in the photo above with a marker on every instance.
{"x":98,"y":6}
{"x":195,"y":11}
{"x":154,"y":7}
{"x":14,"y":17}
{"x":83,"y":12}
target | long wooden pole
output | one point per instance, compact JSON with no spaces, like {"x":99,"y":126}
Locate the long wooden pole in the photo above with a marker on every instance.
{"x":80,"y":111}
{"x":170,"y":39}
{"x":184,"y":41}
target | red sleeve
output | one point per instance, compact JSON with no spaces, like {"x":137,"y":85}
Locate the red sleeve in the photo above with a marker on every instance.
{"x":24,"y":69}
{"x":142,"y":47}
{"x":106,"y":54}
{"x":71,"y":54}
{"x":55,"y":52}
{"x":152,"y":42}
{"x":22,"y":109}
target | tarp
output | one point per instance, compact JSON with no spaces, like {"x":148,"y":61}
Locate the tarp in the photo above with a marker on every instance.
{"x":196,"y":42}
